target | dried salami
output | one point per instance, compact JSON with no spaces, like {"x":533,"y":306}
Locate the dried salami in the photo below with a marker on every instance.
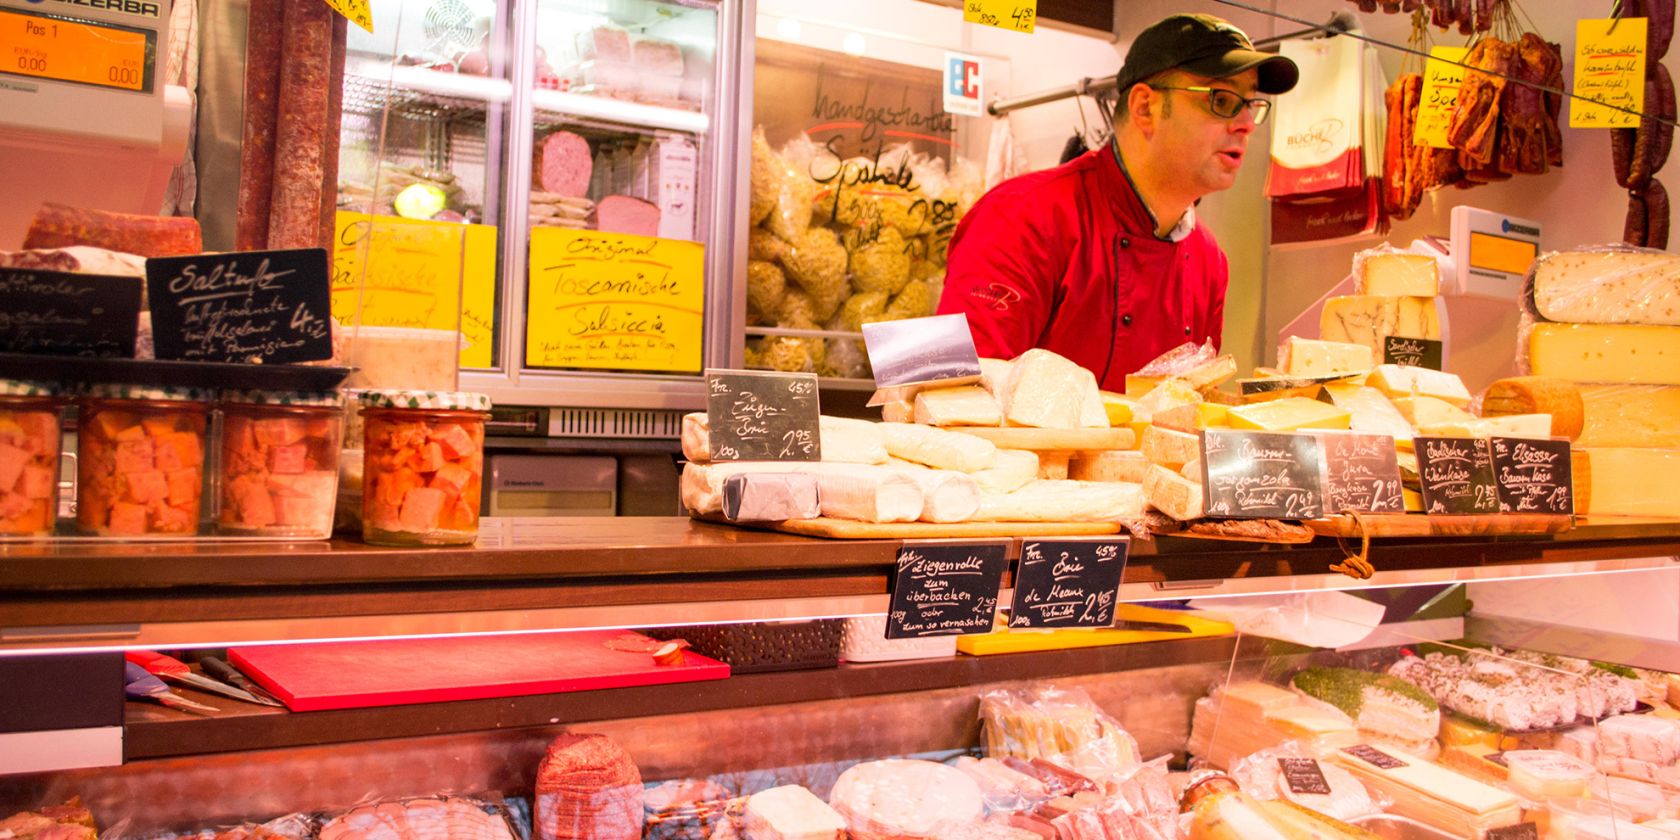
{"x":263,"y":28}
{"x":1664,"y":109}
{"x":562,"y":164}
{"x":59,"y":226}
{"x":1659,"y":31}
{"x":299,"y":143}
{"x":1635,"y":229}
{"x":1656,"y":215}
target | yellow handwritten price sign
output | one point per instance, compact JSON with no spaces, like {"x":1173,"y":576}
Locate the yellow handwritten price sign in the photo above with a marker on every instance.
{"x":395,"y":272}
{"x":1439,"y":96}
{"x":355,"y":11}
{"x":1609,"y":68}
{"x":612,"y":301}
{"x":1013,"y":15}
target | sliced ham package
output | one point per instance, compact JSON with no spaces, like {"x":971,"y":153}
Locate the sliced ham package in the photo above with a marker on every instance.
{"x":623,"y":214}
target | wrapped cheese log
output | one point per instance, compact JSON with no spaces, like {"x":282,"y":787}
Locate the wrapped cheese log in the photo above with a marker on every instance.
{"x":845,"y":491}
{"x":770,"y":497}
{"x":844,"y":440}
{"x":1010,"y":471}
{"x":947,"y":495}
{"x":938,"y":448}
{"x":1064,"y":501}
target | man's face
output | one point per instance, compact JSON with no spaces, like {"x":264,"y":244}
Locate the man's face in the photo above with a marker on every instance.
{"x":1209,"y":148}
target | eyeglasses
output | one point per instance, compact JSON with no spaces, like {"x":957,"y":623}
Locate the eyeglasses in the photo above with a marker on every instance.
{"x":1227,"y":104}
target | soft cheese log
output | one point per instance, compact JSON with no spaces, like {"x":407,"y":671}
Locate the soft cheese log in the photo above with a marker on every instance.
{"x":1310,"y":357}
{"x":864,"y":492}
{"x":1063,"y":501}
{"x":938,"y":448}
{"x":791,"y":812}
{"x":1371,"y":410}
{"x":1628,"y":354}
{"x":1608,"y":287}
{"x":1172,"y":494}
{"x":844,"y":440}
{"x":1010,"y":471}
{"x":1410,"y":381}
{"x":1169,"y":448}
{"x":1414,"y":275}
{"x":1368,"y":319}
{"x":947,"y":495}
{"x":1128,"y":465}
{"x":1539,"y":395}
{"x":1047,"y":391}
{"x":964,"y":405}
{"x":1629,"y":415}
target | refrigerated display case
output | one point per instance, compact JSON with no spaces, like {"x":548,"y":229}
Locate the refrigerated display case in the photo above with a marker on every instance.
{"x":488,"y":145}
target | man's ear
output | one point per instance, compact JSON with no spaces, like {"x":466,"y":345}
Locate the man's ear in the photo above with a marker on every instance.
{"x":1143,"y":107}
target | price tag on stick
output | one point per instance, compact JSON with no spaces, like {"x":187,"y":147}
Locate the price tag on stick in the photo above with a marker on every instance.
{"x":1068,"y":583}
{"x":1415,"y":352}
{"x":945,"y":588}
{"x":761,"y":416}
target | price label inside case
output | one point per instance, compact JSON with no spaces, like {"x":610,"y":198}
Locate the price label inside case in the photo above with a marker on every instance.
{"x":1068,"y":583}
{"x":759,"y":416}
{"x":945,"y":589}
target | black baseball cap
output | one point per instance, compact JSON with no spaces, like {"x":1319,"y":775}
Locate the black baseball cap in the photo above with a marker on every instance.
{"x":1204,"y":45}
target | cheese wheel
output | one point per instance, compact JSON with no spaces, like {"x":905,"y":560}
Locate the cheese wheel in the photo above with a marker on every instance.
{"x":905,"y":798}
{"x":1538,"y":395}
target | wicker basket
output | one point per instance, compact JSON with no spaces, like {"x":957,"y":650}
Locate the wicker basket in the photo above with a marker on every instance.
{"x":769,"y":646}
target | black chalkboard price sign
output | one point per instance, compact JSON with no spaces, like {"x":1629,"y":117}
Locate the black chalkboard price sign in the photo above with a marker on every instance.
{"x":762,"y":416}
{"x":65,"y":314}
{"x":1361,"y":473}
{"x":1068,"y":583}
{"x":1262,"y":475}
{"x":1533,"y":475}
{"x":945,"y":588}
{"x":1456,"y":475}
{"x":1416,"y":352}
{"x":245,"y":306}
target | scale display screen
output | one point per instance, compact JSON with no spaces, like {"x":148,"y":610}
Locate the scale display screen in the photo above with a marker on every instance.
{"x":79,"y":51}
{"x":1501,"y":253}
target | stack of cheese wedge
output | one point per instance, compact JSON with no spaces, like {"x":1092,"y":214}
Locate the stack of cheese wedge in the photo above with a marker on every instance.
{"x":1397,"y":296}
{"x":1608,"y":319}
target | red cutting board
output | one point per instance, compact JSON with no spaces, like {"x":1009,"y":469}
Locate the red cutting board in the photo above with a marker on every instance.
{"x":394,"y":672}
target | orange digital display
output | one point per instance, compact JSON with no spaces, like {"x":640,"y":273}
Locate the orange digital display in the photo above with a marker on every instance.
{"x":1498,"y":253}
{"x":75,"y":51}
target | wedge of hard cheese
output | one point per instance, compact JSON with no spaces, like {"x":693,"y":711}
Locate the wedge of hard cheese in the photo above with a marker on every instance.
{"x":1368,"y":319}
{"x":1608,"y":287}
{"x":937,"y":447}
{"x":1622,"y":353}
{"x":1064,"y":501}
{"x":1627,"y":481}
{"x":1047,"y":391}
{"x":1415,"y":275}
{"x":1288,"y":414}
{"x":1370,"y":410}
{"x":964,"y":405}
{"x":844,"y":440}
{"x":1409,"y":381}
{"x":1511,"y":425}
{"x":1172,"y":494}
{"x":1310,"y":357}
{"x":791,"y":812}
{"x":1630,"y":415}
{"x":1128,"y":465}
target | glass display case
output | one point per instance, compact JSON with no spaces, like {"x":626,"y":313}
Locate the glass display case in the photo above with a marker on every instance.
{"x":548,"y":171}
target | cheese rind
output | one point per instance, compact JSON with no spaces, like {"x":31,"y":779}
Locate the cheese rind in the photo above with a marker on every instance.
{"x":947,"y":495}
{"x":1539,"y":395}
{"x":1169,"y":448}
{"x":1608,"y":287}
{"x":1392,"y":274}
{"x":1288,"y":414}
{"x":1172,"y":494}
{"x":1368,"y":319}
{"x":1630,"y":415}
{"x":938,"y":448}
{"x":1407,"y":381}
{"x":965,"y":405}
{"x":1620,"y":353}
{"x":1047,"y":391}
{"x":1128,"y":465}
{"x":1310,"y":357}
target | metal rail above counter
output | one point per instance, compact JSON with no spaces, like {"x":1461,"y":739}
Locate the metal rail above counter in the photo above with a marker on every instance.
{"x":532,"y":575}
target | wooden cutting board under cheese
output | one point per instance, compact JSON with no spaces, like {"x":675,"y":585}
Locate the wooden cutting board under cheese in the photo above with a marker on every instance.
{"x":1421,"y":525}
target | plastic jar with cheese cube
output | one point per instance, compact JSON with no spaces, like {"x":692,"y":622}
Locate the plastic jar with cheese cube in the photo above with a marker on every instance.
{"x":30,"y":442}
{"x":423,"y":466}
{"x":278,"y":474}
{"x":140,"y":460}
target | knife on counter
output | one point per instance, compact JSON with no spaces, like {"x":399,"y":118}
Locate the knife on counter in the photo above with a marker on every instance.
{"x":219,"y":668}
{"x":174,"y":670}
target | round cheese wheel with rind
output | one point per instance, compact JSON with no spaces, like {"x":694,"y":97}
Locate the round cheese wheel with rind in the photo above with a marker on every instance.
{"x":905,"y":799}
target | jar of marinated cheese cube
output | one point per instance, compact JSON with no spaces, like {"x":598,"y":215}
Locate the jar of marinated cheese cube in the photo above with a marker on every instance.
{"x":30,"y":441}
{"x":278,"y":474}
{"x":423,"y":466}
{"x":140,"y":460}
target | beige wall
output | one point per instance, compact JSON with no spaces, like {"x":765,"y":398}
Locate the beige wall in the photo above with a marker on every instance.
{"x":1577,"y":204}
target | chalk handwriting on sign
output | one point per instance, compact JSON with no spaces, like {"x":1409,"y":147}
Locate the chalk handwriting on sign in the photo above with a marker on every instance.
{"x":1361,"y":473}
{"x":1534,"y":476}
{"x":250,"y":306}
{"x":1439,"y":96}
{"x":945,"y":589}
{"x":355,"y":11}
{"x":1609,"y":68}
{"x":1413,"y":352}
{"x":763,"y":416}
{"x":58,"y":313}
{"x":1068,"y":583}
{"x":1013,"y":15}
{"x":1456,"y":475}
{"x":1262,"y":475}
{"x":614,"y":301}
{"x":1304,"y":775}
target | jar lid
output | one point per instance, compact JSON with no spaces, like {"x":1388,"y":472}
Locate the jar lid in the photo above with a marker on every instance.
{"x":118,"y":391}
{"x":327,"y":399}
{"x":28,"y":388}
{"x":441,"y":400}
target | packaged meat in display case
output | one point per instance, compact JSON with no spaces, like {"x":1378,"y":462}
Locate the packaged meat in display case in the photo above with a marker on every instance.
{"x":858,"y":180}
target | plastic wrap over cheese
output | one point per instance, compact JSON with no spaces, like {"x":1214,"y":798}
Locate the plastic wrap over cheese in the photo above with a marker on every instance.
{"x":1262,"y":776}
{"x":901,"y":798}
{"x":1605,"y":284}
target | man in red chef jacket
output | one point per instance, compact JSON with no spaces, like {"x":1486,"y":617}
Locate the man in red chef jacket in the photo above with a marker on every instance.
{"x":1101,"y":259}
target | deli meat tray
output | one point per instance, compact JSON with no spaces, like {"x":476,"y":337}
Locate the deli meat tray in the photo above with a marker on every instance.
{"x":85,"y":369}
{"x":394,"y":672}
